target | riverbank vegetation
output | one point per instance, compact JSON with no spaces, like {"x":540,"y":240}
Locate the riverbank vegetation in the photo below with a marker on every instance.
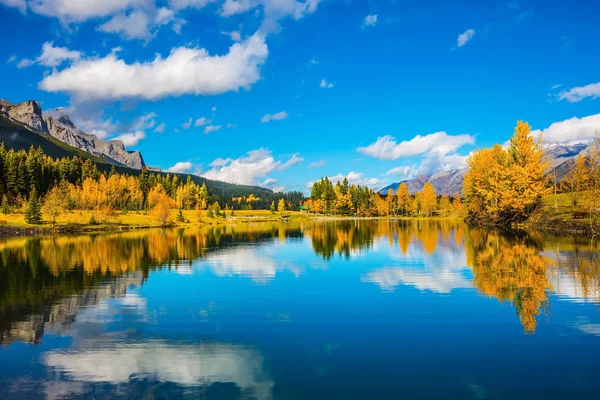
{"x":36,"y":189}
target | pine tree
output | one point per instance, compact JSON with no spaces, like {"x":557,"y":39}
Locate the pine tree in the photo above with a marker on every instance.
{"x":5,"y":206}
{"x":180,"y":216}
{"x":272,"y":208}
{"x":33,"y":214}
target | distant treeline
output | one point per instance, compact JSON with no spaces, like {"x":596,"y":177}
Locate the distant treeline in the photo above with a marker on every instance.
{"x":345,"y":199}
{"x":84,"y":186}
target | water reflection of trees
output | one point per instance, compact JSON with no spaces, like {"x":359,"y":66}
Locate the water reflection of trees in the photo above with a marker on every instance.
{"x":510,"y":268}
{"x":37,"y":274}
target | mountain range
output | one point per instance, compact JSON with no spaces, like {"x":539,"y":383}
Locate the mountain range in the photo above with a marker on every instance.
{"x":24,"y":125}
{"x":450,"y":182}
{"x":58,"y":125}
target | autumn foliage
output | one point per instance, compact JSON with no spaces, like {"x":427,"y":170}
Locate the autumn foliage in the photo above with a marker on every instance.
{"x":506,"y":185}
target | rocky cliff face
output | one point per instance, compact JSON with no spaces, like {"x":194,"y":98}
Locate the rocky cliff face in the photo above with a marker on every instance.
{"x":58,"y":125}
{"x":62,"y":128}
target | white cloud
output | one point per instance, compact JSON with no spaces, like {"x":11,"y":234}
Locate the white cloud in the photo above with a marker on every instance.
{"x":325,"y":85}
{"x":24,"y":63}
{"x":246,"y":169}
{"x":236,"y":36}
{"x":358,"y":178}
{"x":184,"y":71}
{"x":202,"y":121}
{"x":182,"y":4}
{"x":439,"y":143}
{"x":187,"y":124}
{"x":273,"y":9}
{"x":317,"y":164}
{"x":181,"y":167}
{"x":570,"y":131}
{"x":295,"y":160}
{"x":404,"y":172}
{"x":271,"y":184}
{"x":370,"y":20}
{"x":274,"y":117}
{"x":132,"y":25}
{"x":579,"y":93}
{"x":11,"y":59}
{"x":54,"y":56}
{"x":80,"y":11}
{"x":230,"y":125}
{"x":21,"y":5}
{"x":132,"y":138}
{"x":463,"y":38}
{"x":314,"y":61}
{"x":212,"y":128}
{"x":160,"y":128}
{"x":51,"y":56}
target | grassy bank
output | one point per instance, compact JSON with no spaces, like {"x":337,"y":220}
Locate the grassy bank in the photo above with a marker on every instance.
{"x":558,"y":215}
{"x":87,"y":221}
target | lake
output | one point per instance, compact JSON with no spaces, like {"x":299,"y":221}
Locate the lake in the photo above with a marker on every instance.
{"x":336,"y":310}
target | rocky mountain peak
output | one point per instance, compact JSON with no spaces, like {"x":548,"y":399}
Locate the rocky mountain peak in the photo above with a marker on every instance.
{"x":58,"y":124}
{"x":28,"y":113}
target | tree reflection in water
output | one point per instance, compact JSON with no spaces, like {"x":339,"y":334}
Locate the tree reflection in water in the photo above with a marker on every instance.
{"x":38,"y":274}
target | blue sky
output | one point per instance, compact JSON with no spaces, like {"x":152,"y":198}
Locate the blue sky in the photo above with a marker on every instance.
{"x":283,"y":92}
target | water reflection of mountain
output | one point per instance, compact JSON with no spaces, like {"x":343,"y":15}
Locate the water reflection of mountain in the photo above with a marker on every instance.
{"x":45,"y":281}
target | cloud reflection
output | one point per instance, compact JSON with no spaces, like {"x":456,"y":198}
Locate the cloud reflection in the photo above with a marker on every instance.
{"x":188,"y":365}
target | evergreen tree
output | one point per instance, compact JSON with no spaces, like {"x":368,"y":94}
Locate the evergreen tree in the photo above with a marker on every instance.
{"x":33,"y":214}
{"x":180,"y":216}
{"x":5,"y":206}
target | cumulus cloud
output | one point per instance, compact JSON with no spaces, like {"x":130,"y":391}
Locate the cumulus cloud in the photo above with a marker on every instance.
{"x":132,"y":138}
{"x":212,"y":128}
{"x":579,"y":93}
{"x":54,"y":56}
{"x":571,"y":131}
{"x":272,"y":9}
{"x":184,"y":71}
{"x":370,"y":20}
{"x":236,"y":36}
{"x":317,"y":164}
{"x":80,"y":11}
{"x":182,"y":4}
{"x":20,"y":5}
{"x":51,"y":56}
{"x":404,"y":172}
{"x":464,"y":37}
{"x":202,"y":121}
{"x":248,"y":168}
{"x":357,"y":178}
{"x":274,"y":117}
{"x":181,"y":167}
{"x":325,"y":85}
{"x":439,"y":143}
{"x":132,"y":25}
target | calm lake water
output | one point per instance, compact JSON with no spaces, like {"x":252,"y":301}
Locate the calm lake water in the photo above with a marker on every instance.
{"x":340,"y":310}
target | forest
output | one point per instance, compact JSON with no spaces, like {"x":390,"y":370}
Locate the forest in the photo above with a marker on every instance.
{"x":43,"y":187}
{"x":504,"y":185}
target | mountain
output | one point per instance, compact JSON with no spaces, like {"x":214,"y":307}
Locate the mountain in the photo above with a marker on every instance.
{"x":58,"y":125}
{"x":23,"y":125}
{"x":444,"y":182}
{"x":557,"y":155}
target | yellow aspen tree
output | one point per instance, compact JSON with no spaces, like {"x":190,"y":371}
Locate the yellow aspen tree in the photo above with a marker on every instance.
{"x":404,"y":199}
{"x":578,"y":179}
{"x":429,"y":199}
{"x":526,"y":182}
{"x":281,"y":205}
